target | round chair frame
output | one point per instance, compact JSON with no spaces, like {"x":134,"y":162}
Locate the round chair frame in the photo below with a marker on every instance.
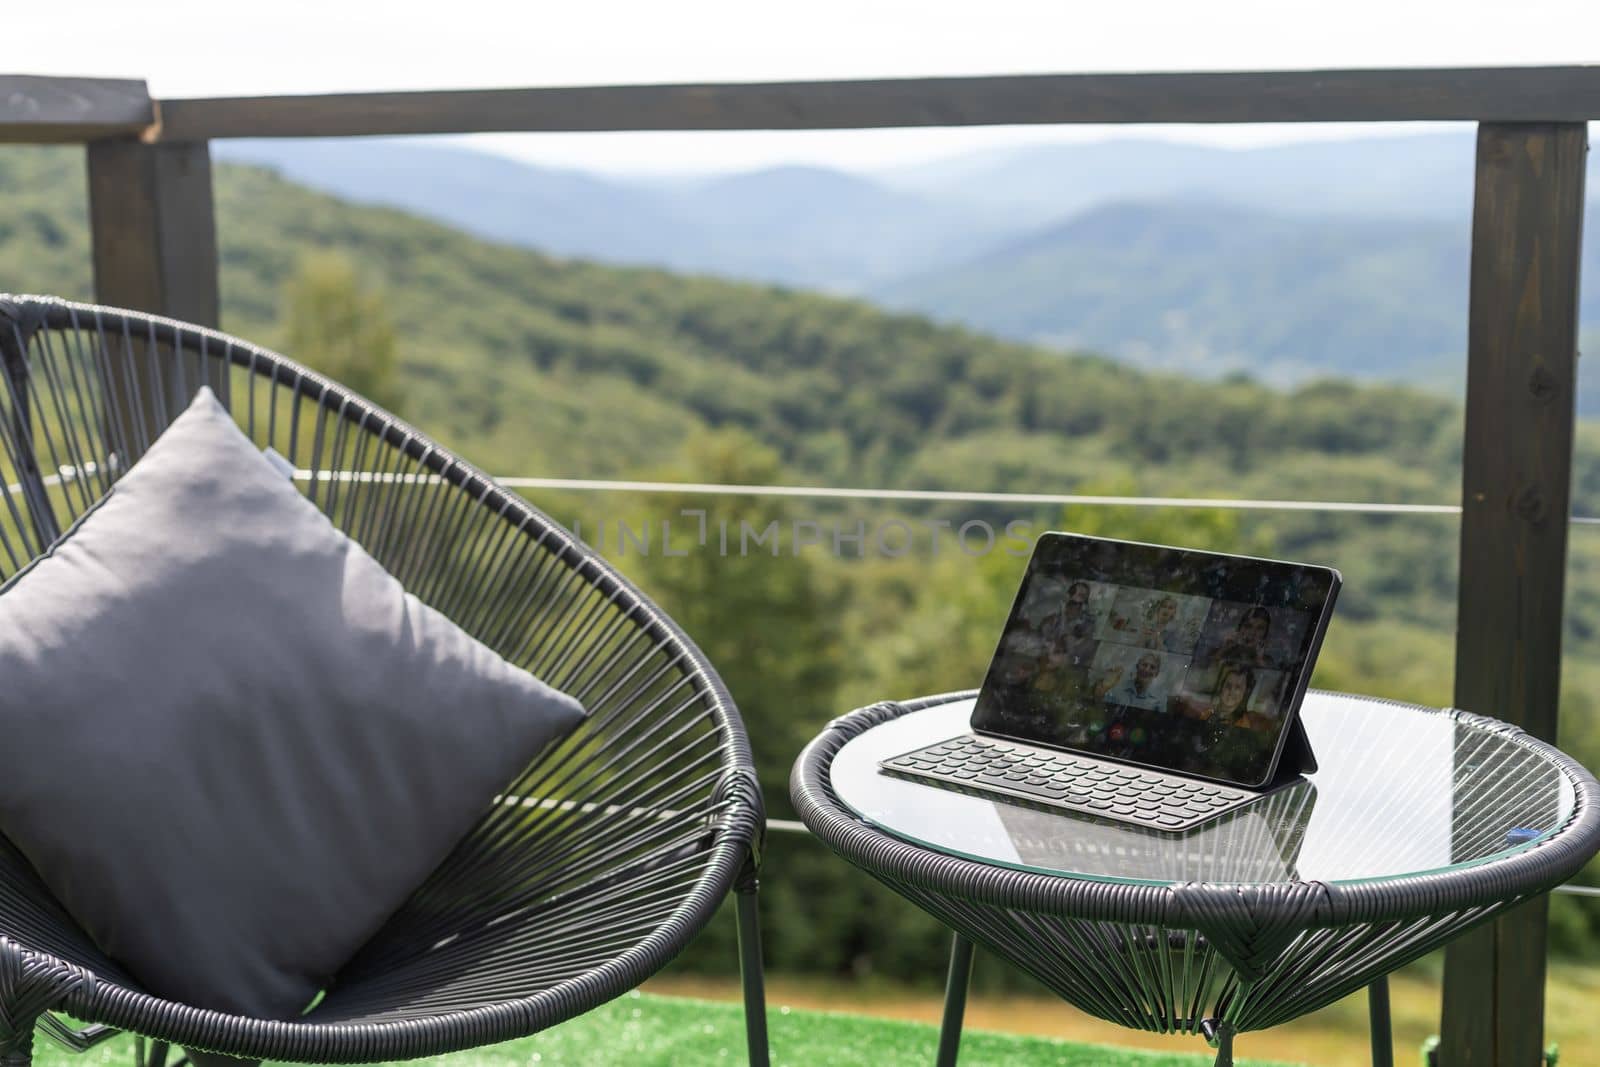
{"x":594,"y":868}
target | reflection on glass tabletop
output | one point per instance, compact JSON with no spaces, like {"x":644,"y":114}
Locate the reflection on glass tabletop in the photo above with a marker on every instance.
{"x":1399,"y":790}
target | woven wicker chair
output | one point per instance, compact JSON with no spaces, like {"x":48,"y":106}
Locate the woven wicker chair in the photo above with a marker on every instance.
{"x":598,"y":864}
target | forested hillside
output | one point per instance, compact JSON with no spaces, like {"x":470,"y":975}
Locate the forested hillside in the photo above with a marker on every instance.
{"x":534,"y":365}
{"x":1208,"y":287}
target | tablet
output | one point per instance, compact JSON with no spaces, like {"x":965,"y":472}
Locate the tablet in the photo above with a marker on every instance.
{"x":1184,"y":661}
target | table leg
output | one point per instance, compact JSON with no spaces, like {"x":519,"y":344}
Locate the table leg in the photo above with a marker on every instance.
{"x":1382,"y":1032}
{"x":955,"y":1000}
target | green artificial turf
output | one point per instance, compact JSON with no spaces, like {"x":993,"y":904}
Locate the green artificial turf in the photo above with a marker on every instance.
{"x":653,"y":1031}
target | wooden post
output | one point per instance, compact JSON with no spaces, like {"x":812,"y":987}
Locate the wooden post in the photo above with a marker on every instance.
{"x":154,"y":235}
{"x":1517,"y":472}
{"x":154,"y":228}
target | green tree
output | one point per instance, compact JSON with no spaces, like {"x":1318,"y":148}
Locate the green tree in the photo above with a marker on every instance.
{"x":336,"y":325}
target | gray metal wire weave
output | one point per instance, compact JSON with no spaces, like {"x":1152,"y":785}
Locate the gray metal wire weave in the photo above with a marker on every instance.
{"x":599,"y":863}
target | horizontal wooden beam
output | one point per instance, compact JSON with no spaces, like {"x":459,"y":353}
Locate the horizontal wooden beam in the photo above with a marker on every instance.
{"x":35,"y":110}
{"x":1564,"y":94}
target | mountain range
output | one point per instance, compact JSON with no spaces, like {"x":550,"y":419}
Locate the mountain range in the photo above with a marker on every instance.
{"x":809,"y":227}
{"x":1286,"y":262}
{"x":1426,"y":176}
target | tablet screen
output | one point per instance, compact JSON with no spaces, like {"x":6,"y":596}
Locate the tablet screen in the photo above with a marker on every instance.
{"x":1167,"y":657}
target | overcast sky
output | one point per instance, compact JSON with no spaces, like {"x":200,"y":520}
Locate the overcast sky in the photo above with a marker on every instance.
{"x":222,"y":47}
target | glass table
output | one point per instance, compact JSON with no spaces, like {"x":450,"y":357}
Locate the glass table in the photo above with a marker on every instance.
{"x":1417,"y":825}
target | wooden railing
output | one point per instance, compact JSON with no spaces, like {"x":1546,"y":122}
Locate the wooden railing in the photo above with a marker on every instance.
{"x":154,"y":247}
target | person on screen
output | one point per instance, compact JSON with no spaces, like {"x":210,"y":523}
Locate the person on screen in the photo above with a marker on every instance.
{"x":1143,"y":690}
{"x":1022,"y":673}
{"x":1044,"y":645}
{"x":1072,"y":629}
{"x":1057,"y":624}
{"x":1229,"y":706}
{"x":1159,"y":628}
{"x":1025,"y":655}
{"x":1232,"y":738}
{"x":1248,"y":642}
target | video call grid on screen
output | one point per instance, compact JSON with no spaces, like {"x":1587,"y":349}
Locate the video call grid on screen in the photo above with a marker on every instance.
{"x":1176,"y":659}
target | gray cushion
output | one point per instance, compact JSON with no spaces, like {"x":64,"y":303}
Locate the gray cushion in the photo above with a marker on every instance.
{"x":233,"y":743}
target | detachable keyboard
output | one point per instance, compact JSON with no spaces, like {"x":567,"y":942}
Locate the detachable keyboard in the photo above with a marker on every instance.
{"x":1069,"y":782}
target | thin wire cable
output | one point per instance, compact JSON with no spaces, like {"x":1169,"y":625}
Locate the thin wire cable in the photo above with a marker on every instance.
{"x":935,"y":496}
{"x":825,"y":492}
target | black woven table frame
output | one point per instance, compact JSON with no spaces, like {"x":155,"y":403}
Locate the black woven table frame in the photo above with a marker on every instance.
{"x":592,"y":870}
{"x":1195,"y":958}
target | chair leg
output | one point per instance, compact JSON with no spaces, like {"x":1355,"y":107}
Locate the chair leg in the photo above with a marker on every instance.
{"x":1224,"y":1046}
{"x":18,"y":1051}
{"x":955,"y":1000}
{"x":751,"y":971}
{"x":150,"y":1054}
{"x":1382,"y":1030}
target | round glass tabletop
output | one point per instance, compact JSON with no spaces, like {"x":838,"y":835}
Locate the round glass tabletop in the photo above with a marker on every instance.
{"x":1400,"y":790}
